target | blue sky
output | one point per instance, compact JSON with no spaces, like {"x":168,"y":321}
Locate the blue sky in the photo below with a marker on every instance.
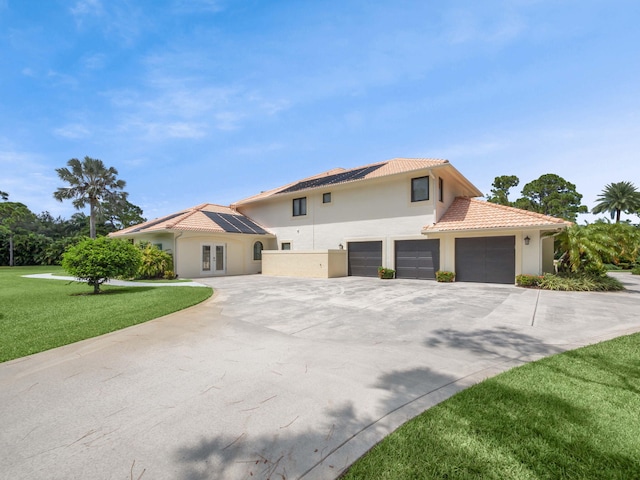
{"x":199,"y":101}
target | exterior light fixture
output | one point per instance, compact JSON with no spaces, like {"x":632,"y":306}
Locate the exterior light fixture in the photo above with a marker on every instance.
{"x":527,"y":240}
{"x":341,"y":247}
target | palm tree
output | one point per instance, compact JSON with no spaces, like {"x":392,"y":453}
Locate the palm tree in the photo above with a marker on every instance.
{"x":584,"y":248}
{"x":90,"y":182}
{"x":4,"y":195}
{"x":616,"y":198}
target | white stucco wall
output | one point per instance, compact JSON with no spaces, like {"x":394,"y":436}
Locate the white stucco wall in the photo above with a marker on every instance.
{"x":358,"y":211}
{"x":307,"y":264}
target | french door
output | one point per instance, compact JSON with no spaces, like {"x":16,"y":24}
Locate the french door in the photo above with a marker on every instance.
{"x":213,"y":259}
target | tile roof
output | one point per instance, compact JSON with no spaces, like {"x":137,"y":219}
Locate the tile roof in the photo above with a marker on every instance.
{"x":207,"y":218}
{"x":341,"y":175}
{"x":470,"y":214}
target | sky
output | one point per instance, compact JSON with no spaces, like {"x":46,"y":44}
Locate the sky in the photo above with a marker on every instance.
{"x":196,"y":101}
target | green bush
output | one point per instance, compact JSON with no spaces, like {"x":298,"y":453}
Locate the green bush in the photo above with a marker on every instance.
{"x":580,"y":283}
{"x":386,"y":272}
{"x":528,"y":280}
{"x":155,"y":262}
{"x":636,"y":270}
{"x":444,"y":276}
{"x":98,"y":260}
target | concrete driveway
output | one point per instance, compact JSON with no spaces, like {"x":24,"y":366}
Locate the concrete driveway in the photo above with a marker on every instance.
{"x":279,"y":378}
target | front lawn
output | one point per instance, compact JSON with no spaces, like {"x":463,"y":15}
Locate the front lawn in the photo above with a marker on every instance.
{"x":575,"y":415}
{"x":37,"y":314}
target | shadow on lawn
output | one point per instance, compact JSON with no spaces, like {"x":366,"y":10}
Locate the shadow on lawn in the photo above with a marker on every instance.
{"x":508,"y":433}
{"x":111,"y":290}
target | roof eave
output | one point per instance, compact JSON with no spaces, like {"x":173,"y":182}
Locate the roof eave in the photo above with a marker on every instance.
{"x":550,"y":226}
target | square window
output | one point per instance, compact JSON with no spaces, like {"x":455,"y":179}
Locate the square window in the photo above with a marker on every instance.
{"x":299,"y":206}
{"x":285,"y":246}
{"x":419,"y":189}
{"x":326,"y":197}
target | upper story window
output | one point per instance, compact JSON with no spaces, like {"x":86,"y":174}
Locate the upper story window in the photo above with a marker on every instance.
{"x":299,"y":206}
{"x":420,"y":189}
{"x":326,"y":197}
{"x":440,"y":189}
{"x":257,"y":250}
{"x":285,"y":246}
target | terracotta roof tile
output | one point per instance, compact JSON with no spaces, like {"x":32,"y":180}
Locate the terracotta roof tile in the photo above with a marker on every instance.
{"x":388,"y":167}
{"x":470,"y":214}
{"x":201,"y":218}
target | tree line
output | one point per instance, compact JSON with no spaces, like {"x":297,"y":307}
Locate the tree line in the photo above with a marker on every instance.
{"x":27,"y":238}
{"x":553,"y":195}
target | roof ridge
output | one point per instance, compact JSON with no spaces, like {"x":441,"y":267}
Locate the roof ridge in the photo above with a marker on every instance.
{"x":521,"y":211}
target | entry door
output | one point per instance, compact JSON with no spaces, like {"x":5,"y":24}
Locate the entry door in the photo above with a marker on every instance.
{"x":214,"y":259}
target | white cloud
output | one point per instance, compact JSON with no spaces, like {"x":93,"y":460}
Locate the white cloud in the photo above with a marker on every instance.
{"x":73,"y":131}
{"x":86,"y":8}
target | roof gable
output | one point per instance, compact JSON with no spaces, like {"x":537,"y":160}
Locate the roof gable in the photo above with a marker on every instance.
{"x":339,"y":176}
{"x":470,"y":214}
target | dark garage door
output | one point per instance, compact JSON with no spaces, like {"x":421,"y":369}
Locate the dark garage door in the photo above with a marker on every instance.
{"x":417,"y":259}
{"x":364,"y":258}
{"x":486,"y":259}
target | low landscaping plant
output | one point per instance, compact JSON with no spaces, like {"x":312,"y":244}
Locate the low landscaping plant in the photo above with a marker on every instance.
{"x":386,"y":272}
{"x":580,"y":283}
{"x":528,"y":280}
{"x":636,"y":270}
{"x":444,"y":276}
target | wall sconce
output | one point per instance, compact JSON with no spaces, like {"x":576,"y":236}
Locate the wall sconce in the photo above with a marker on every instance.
{"x":341,"y":247}
{"x":527,"y":240}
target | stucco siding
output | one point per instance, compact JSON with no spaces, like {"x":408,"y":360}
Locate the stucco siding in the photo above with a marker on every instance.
{"x":356,"y":210}
{"x":238,"y":254}
{"x":308,"y":264}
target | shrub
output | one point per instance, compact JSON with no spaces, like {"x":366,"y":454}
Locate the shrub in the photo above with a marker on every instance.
{"x":636,"y":270}
{"x":98,"y":260}
{"x":169,"y":275}
{"x":580,"y":283}
{"x":444,"y":276}
{"x":155,"y":262}
{"x":386,"y":272}
{"x":528,"y":280}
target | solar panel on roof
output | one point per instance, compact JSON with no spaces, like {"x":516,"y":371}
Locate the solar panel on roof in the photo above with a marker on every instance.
{"x":355,"y":174}
{"x":235,"y":223}
{"x":156,"y":222}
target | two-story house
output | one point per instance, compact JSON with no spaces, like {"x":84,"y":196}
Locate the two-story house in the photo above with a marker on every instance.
{"x":416,"y":216}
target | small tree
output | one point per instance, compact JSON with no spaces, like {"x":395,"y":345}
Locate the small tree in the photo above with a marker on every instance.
{"x":98,"y":260}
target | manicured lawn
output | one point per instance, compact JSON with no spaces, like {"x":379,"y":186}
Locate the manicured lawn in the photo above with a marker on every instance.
{"x":37,"y":315}
{"x":573,"y":416}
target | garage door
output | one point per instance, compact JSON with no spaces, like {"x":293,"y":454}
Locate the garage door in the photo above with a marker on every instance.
{"x":486,"y":259}
{"x":417,"y":259}
{"x":364,"y":258}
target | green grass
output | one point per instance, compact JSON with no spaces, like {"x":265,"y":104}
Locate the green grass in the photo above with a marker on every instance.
{"x":37,"y":314}
{"x":571,"y":416}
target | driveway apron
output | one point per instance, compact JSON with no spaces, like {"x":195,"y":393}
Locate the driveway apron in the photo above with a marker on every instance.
{"x":279,"y":378}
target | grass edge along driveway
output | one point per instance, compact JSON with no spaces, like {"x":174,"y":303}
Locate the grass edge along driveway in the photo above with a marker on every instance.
{"x":573,"y":415}
{"x":37,"y":315}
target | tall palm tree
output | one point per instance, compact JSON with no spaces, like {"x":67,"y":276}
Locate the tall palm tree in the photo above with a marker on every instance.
{"x":90,"y":183}
{"x":617,"y":198}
